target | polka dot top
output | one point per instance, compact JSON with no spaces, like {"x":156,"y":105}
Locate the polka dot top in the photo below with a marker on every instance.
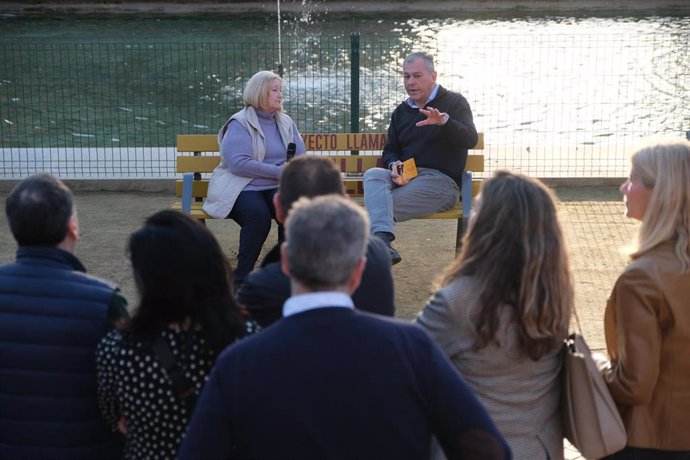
{"x":132,"y":384}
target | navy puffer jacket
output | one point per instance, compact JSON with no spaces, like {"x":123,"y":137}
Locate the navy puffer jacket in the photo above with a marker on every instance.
{"x":52,"y":316}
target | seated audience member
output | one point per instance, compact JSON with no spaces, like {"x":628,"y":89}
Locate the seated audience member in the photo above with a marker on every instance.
{"x":503,"y":310}
{"x":328,"y":381}
{"x":647,"y":318}
{"x":150,"y":374}
{"x":254,"y":147}
{"x":264,"y":291}
{"x":52,"y":315}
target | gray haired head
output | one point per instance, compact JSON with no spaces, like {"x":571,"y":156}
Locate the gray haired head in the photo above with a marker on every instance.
{"x":326,"y":238}
{"x":428,"y":59}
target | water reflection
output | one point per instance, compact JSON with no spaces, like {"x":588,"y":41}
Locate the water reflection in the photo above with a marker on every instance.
{"x":555,"y":96}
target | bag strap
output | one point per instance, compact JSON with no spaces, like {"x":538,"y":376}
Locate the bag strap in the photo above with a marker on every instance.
{"x":577,"y":320}
{"x":183,"y":387}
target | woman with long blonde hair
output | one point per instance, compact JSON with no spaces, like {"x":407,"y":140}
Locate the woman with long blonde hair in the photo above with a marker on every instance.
{"x":647,"y":319}
{"x":503,"y":309}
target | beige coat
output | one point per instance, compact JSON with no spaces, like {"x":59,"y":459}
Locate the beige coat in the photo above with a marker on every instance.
{"x":522,"y":396}
{"x":647,"y":325}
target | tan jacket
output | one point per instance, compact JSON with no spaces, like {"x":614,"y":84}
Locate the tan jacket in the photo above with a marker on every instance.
{"x":647,"y":325}
{"x":522,"y":396}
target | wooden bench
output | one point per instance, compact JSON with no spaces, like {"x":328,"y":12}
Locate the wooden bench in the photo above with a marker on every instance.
{"x":199,"y":155}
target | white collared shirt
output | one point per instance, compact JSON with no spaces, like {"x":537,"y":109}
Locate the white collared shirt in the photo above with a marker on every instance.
{"x":312,"y":300}
{"x":412,"y":103}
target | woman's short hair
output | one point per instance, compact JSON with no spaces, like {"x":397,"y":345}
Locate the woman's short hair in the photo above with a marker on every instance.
{"x":256,"y":92}
{"x":515,"y":251}
{"x":664,"y":167}
{"x":181,"y":273}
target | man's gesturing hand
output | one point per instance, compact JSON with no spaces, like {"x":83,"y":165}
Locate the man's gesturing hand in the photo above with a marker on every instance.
{"x":433,"y":117}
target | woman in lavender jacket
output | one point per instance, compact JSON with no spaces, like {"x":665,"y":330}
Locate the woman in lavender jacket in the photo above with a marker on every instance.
{"x":253,"y":145}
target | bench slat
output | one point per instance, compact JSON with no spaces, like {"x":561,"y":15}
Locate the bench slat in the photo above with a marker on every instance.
{"x":354,"y":188}
{"x":314,"y":142}
{"x":475,"y":163}
{"x":202,"y":164}
{"x":346,"y":163}
{"x":480,"y":142}
{"x":195,"y":212}
{"x":197,"y":143}
{"x":198,"y":213}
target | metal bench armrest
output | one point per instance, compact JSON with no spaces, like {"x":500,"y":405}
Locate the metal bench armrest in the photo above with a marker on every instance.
{"x":466,"y":193}
{"x":187,"y":179}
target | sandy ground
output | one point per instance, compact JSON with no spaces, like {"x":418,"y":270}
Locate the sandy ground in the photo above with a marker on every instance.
{"x":591,"y":7}
{"x":592,"y":218}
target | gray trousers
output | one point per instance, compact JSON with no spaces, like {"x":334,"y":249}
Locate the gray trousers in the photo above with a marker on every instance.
{"x":430,"y":192}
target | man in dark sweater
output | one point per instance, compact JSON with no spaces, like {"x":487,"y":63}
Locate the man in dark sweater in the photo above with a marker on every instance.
{"x":328,"y":381}
{"x":434,"y":126}
{"x":52,"y":316}
{"x":265,"y":290}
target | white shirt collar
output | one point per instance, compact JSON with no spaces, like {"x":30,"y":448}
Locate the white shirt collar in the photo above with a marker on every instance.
{"x":312,"y":300}
{"x":433,"y":94}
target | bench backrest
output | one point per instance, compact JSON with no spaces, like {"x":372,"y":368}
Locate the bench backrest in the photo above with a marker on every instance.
{"x":204,"y":158}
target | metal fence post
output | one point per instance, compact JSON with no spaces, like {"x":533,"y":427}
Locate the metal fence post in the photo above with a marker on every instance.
{"x":354,"y":85}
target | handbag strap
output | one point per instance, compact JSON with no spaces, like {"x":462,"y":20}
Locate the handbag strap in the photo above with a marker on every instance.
{"x":577,"y":320}
{"x":183,"y":387}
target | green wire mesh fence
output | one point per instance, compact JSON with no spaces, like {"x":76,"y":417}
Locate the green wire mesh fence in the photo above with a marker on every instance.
{"x":550,"y":104}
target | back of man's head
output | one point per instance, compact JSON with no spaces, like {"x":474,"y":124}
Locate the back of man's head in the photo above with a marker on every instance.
{"x":308,"y":176}
{"x":38,"y":211}
{"x":326,"y":238}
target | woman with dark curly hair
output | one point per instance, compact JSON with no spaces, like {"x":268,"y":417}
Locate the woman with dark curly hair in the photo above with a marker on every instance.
{"x":150,"y":373}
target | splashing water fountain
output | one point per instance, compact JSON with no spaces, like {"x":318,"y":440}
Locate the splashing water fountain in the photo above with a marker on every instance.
{"x":280,"y":42}
{"x":310,"y":85}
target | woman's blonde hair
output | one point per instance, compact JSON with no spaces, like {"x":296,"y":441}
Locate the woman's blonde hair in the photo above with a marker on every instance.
{"x":664,"y":167}
{"x":256,"y":92}
{"x":514,"y":249}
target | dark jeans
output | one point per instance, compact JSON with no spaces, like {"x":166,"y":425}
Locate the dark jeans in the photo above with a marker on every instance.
{"x":253,"y":211}
{"x":637,"y":453}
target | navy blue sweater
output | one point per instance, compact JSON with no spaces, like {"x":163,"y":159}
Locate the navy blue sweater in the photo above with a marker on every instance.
{"x":52,"y":316}
{"x":443,"y":148}
{"x":265,"y":291}
{"x":336,"y":383}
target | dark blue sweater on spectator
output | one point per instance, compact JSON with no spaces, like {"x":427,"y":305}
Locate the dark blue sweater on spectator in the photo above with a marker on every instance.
{"x":265,"y":290}
{"x":336,"y":383}
{"x":52,"y":316}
